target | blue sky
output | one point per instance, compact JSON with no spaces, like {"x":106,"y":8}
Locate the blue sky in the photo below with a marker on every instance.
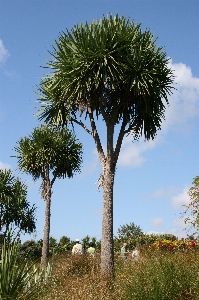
{"x":152,"y":178}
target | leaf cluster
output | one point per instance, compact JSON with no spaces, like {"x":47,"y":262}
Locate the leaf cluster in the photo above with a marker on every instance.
{"x":16,"y":278}
{"x":49,"y":147}
{"x":129,"y":231}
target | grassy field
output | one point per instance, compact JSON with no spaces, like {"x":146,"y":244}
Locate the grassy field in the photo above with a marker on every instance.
{"x":160,"y":275}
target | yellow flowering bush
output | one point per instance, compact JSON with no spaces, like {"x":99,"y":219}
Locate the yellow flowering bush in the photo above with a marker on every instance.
{"x":175,"y":244}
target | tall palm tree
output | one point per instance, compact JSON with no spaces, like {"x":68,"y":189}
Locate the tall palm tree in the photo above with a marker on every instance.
{"x":49,"y":154}
{"x":113,"y":69}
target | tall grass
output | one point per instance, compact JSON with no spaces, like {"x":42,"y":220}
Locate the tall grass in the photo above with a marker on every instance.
{"x":157,"y":275}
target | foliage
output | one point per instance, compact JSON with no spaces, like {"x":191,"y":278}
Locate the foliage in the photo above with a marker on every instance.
{"x":108,"y":63}
{"x":129,"y":231}
{"x":148,"y":239}
{"x":15,"y":276}
{"x":15,"y":210}
{"x":142,"y":240}
{"x":161,"y":275}
{"x":52,"y":242}
{"x":20,"y":278}
{"x":86,"y":240}
{"x":191,"y":211}
{"x":30,"y":249}
{"x":63,"y":245}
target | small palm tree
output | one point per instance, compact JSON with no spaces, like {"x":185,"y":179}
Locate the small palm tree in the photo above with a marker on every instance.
{"x":47,"y":153}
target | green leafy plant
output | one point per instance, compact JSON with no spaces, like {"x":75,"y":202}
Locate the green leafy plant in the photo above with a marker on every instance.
{"x":20,"y":279}
{"x":15,"y":210}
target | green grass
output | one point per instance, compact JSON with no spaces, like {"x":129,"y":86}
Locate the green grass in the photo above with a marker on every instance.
{"x":157,"y":275}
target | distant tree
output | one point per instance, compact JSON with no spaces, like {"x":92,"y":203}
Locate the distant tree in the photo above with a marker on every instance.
{"x":110,"y":69}
{"x":64,"y":240}
{"x":49,"y":154}
{"x":128,"y":231}
{"x":15,"y":210}
{"x":52,"y":242}
{"x":85,"y":241}
{"x":30,"y":249}
{"x":191,"y":211}
{"x":65,"y":243}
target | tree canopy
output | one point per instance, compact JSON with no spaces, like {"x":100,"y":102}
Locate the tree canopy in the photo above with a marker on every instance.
{"x":113,"y":67}
{"x":129,"y":231}
{"x":48,"y":146}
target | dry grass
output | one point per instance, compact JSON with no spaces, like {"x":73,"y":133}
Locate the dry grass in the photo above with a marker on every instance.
{"x":78,"y":277}
{"x":157,"y":275}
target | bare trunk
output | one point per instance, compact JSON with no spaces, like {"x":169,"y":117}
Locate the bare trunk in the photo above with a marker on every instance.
{"x":107,"y":251}
{"x":47,"y":198}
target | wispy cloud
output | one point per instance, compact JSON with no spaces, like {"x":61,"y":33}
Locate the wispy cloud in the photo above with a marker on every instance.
{"x":179,"y":223}
{"x":98,"y":211}
{"x":4,"y":54}
{"x":157,"y":222}
{"x":4,"y":166}
{"x":165,"y":192}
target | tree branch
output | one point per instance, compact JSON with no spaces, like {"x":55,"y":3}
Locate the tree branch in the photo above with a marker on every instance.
{"x":119,"y":141}
{"x":96,"y":137}
{"x":103,"y":112}
{"x":82,"y":125}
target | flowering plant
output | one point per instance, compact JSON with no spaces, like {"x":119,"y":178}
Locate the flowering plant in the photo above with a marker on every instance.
{"x":175,"y":244}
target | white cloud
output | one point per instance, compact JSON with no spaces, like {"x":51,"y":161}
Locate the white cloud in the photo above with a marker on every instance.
{"x":3,"y":52}
{"x":132,"y":154}
{"x":157,"y":222}
{"x":184,"y":101}
{"x":181,"y":199}
{"x":4,"y":166}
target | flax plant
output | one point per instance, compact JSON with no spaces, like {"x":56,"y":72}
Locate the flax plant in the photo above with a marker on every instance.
{"x":19,"y":279}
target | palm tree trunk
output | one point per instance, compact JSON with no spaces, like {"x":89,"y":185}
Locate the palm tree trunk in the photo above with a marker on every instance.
{"x":107,"y":251}
{"x":47,"y":198}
